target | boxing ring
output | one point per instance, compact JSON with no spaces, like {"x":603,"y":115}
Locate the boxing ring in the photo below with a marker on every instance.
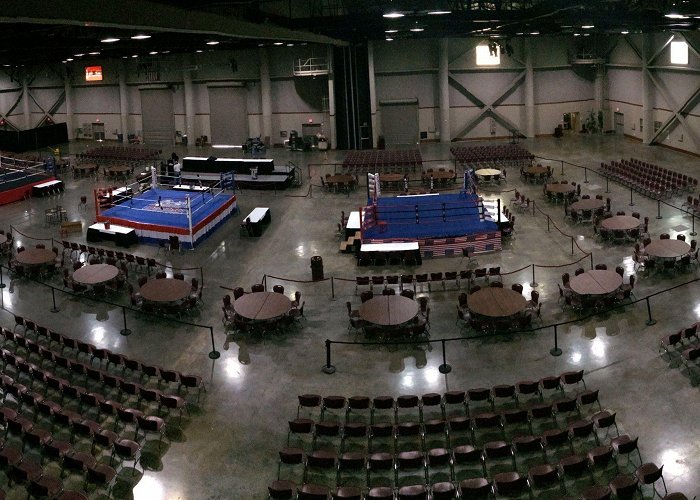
{"x":156,"y":212}
{"x":442,"y":224}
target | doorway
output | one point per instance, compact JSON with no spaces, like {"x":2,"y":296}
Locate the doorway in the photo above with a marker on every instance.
{"x":157,"y":116}
{"x":228,"y":114}
{"x":400,"y":122}
{"x":619,"y":123}
{"x":572,"y":122}
{"x":98,"y":131}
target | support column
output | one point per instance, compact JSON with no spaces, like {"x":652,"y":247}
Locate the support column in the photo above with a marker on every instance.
{"x":647,"y":91}
{"x":373,"y":94}
{"x":123,"y":102}
{"x":530,"y":111}
{"x":189,"y":105}
{"x":68,"y":91}
{"x":331,"y":99}
{"x":444,"y":84}
{"x":265,"y":95}
{"x":25,"y":102}
{"x":599,"y":97}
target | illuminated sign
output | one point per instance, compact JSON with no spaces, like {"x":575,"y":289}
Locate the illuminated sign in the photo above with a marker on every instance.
{"x":93,"y":73}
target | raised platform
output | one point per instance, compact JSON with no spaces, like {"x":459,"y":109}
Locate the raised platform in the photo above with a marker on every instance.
{"x":280,"y":177}
{"x":443,"y":225}
{"x":156,"y":214}
{"x":18,"y":185}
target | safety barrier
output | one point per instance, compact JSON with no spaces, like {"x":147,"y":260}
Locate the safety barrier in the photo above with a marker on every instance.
{"x":213,"y":354}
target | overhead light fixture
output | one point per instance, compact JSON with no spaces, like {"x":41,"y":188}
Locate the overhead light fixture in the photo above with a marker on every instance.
{"x":69,"y":59}
{"x":290,"y":45}
{"x":94,"y":53}
{"x":153,"y":52}
{"x":393,"y":15}
{"x":109,"y":40}
{"x":135,"y":55}
{"x":140,"y":37}
{"x":165,"y":52}
{"x":417,"y":29}
{"x":586,"y":34}
{"x":439,"y":12}
{"x":259,"y":45}
{"x":278,"y":43}
{"x":624,"y":32}
{"x":587,"y":26}
{"x":199,"y":51}
{"x":391,"y":31}
{"x":78,"y":55}
{"x":673,"y":15}
{"x":389,"y":39}
{"x":535,"y":33}
{"x":577,"y":34}
{"x":213,"y":42}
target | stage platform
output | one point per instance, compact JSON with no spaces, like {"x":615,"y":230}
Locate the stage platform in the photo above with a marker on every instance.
{"x":279,"y":177}
{"x":16,"y":185}
{"x":443,"y":224}
{"x":156,"y":214}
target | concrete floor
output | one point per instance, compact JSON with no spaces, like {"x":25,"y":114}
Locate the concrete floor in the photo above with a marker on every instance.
{"x":229,"y":446}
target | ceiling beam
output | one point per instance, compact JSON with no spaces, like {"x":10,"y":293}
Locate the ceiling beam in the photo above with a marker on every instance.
{"x":144,"y":15}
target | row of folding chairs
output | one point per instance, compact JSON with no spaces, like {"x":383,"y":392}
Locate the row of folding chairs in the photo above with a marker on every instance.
{"x":565,"y":421}
{"x":112,"y":360}
{"x":528,"y":457}
{"x":320,"y":405}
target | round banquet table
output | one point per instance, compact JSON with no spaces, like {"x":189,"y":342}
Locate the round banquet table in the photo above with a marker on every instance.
{"x":536,"y":170}
{"x":667,"y":249}
{"x":389,"y":310}
{"x":262,"y":305}
{"x":95,"y":273}
{"x":589,"y":204}
{"x":35,"y":256}
{"x":165,"y":290}
{"x":620,"y":223}
{"x":487,"y":172}
{"x":496,"y":302}
{"x":119,"y":169}
{"x":560,"y":188}
{"x":595,"y":282}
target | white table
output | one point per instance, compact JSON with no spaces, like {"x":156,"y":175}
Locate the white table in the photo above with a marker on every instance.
{"x":191,"y":187}
{"x":47,"y":187}
{"x":259,"y":217}
{"x":258,"y":214}
{"x":389,"y":247}
{"x":121,"y":235}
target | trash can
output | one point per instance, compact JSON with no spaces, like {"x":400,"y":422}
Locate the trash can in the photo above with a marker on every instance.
{"x":316,"y":268}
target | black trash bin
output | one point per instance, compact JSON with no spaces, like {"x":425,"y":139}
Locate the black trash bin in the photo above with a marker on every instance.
{"x":316,"y":268}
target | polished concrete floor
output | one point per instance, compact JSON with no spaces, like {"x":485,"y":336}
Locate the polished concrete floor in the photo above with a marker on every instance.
{"x":229,"y":444}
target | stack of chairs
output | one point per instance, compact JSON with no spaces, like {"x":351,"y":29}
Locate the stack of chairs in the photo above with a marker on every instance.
{"x":534,"y":436}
